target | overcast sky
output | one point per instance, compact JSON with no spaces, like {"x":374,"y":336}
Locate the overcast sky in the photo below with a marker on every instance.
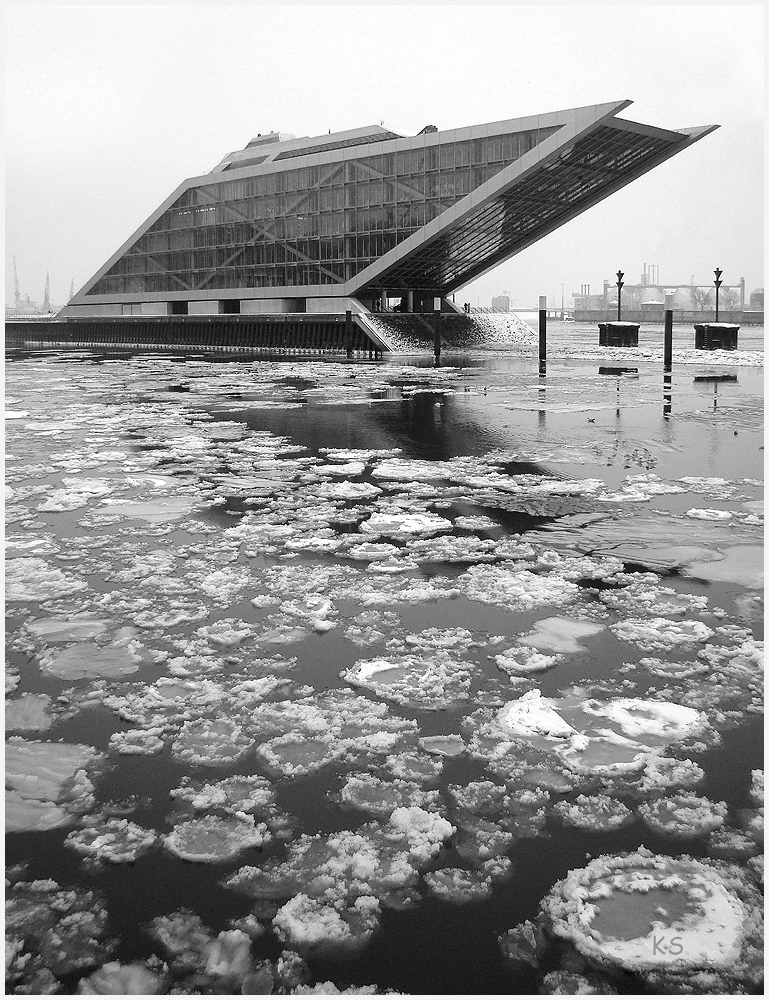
{"x":109,"y":108}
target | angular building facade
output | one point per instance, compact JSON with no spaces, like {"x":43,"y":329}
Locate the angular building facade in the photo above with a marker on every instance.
{"x":353,"y":221}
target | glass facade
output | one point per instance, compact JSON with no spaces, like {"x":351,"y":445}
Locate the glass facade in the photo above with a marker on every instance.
{"x":579,"y":177}
{"x":306,"y":225}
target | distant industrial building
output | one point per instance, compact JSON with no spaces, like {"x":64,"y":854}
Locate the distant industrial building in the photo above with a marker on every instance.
{"x":501,"y":303}
{"x":649,"y":298}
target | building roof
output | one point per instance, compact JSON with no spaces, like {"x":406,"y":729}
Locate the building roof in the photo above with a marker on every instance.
{"x":283,"y":146}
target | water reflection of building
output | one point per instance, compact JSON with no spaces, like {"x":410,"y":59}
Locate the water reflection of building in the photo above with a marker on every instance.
{"x":362,"y":219}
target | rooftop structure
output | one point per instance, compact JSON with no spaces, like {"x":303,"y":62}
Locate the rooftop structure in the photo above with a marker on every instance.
{"x":351,"y":219}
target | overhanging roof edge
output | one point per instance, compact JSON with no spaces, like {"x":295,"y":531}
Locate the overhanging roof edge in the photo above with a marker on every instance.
{"x":688,"y":138}
{"x":582,"y":124}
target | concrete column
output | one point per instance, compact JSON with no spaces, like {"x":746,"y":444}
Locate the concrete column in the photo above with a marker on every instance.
{"x":410,"y":301}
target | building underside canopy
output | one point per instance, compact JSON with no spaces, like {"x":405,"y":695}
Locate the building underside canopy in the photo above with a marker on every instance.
{"x":580,"y":176}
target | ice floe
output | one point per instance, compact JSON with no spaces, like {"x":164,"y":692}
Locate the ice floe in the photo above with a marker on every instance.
{"x":458,"y":886}
{"x":47,"y":784}
{"x":121,"y":979}
{"x":516,"y":590}
{"x":213,"y":839}
{"x":113,"y":840}
{"x":594,"y":812}
{"x":661,"y":633}
{"x":334,"y":886}
{"x":683,"y":815}
{"x":619,"y":736}
{"x":428,"y":682}
{"x":561,"y":635}
{"x":650,"y":913}
{"x":31,"y":712}
{"x":89,"y":659}
{"x":52,"y":932}
{"x":33,"y":579}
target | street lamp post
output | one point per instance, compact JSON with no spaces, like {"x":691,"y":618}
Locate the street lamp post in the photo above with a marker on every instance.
{"x":620,"y":283}
{"x":718,"y":272}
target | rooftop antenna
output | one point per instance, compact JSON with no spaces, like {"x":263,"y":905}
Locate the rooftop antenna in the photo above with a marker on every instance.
{"x":47,"y":296}
{"x":71,"y":289}
{"x":17,"y":293}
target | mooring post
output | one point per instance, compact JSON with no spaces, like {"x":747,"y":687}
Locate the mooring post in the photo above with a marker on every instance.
{"x":542,"y":334}
{"x":348,"y":333}
{"x":437,"y":328}
{"x":667,"y":355}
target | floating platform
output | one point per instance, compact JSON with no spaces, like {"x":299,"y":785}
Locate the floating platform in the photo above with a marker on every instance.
{"x":715,"y":336}
{"x":617,"y":334}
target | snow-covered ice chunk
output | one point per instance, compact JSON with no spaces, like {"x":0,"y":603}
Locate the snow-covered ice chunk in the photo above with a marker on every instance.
{"x":396,"y":525}
{"x":380,"y":798}
{"x":449,"y":745}
{"x":211,"y":742}
{"x":428,"y":682}
{"x":54,"y":932}
{"x":660,"y":633}
{"x":522,"y":659}
{"x":212,"y":839}
{"x":76,"y":627}
{"x":114,"y":840}
{"x":741,"y":564}
{"x":619,"y":736}
{"x":615,"y":908}
{"x":458,"y":886}
{"x":594,"y":812}
{"x":133,"y":978}
{"x":33,"y":579}
{"x":242,"y":793}
{"x":683,"y":815}
{"x":29,"y":712}
{"x":425,"y":831}
{"x":47,"y":783}
{"x":516,"y":590}
{"x":153,"y":511}
{"x":315,"y":925}
{"x":561,"y":635}
{"x":534,"y":715}
{"x":88,"y":659}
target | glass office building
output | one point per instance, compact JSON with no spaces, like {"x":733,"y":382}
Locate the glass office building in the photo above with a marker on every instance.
{"x":353,"y":219}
